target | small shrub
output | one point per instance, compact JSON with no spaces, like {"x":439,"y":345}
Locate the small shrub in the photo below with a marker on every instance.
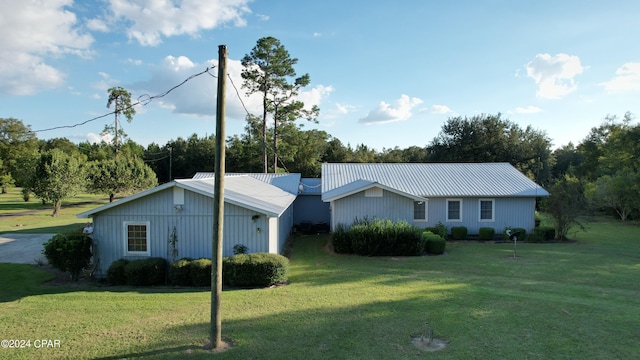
{"x":521,"y":237}
{"x":180,"y":272}
{"x":486,"y":233}
{"x":434,"y":243}
{"x":146,"y":272}
{"x":439,"y":229}
{"x":459,"y":232}
{"x":255,"y":270}
{"x":69,"y":252}
{"x":200,"y":271}
{"x":542,"y":234}
{"x":239,"y":249}
{"x":115,"y":273}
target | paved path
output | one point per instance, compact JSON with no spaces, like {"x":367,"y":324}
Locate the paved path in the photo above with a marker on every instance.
{"x":22,"y":248}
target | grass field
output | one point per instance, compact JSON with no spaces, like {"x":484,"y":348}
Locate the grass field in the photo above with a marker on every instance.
{"x":16,"y":215}
{"x":555,"y":301}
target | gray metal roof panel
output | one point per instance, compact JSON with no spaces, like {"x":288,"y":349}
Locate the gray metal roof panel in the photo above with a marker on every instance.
{"x":287,"y":182}
{"x":436,"y":179}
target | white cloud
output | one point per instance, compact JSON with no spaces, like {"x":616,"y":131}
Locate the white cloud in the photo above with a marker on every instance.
{"x":627,"y":79}
{"x":440,"y":109}
{"x":97,"y":25}
{"x":149,"y":21}
{"x":198,"y":96}
{"x":386,"y":113}
{"x":29,"y":32}
{"x":528,"y":110}
{"x":554,"y":75}
{"x":98,"y":138}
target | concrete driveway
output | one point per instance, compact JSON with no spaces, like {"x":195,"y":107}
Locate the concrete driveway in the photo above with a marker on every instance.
{"x":22,"y":248}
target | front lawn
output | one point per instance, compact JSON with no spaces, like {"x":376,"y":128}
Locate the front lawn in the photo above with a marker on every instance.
{"x":555,"y":301}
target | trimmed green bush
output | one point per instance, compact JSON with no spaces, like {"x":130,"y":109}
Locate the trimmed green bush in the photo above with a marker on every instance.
{"x":379,"y":238}
{"x":439,"y":229}
{"x":523,"y":233}
{"x":200,"y":271}
{"x":255,"y":270}
{"x":434,"y":243}
{"x":145,"y":272}
{"x":115,"y":273}
{"x":69,"y":252}
{"x":340,"y":240}
{"x":486,"y":233}
{"x":542,"y":234}
{"x":180,"y":272}
{"x":459,"y":232}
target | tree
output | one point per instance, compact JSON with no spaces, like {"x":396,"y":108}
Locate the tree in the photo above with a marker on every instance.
{"x":620,"y":192}
{"x":489,"y":138}
{"x":267,"y":70}
{"x":565,"y":204}
{"x":121,"y":100}
{"x":123,"y":175}
{"x":15,"y":139}
{"x":58,"y":176}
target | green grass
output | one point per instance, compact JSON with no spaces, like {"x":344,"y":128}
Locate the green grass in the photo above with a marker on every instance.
{"x":33,"y":217}
{"x":555,"y":301}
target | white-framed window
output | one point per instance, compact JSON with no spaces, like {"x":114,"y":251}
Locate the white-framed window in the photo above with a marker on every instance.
{"x":420,"y":210}
{"x":136,"y":238}
{"x":486,"y":210}
{"x":454,"y":209}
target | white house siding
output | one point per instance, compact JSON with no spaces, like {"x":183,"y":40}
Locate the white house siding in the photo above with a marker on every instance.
{"x":285,"y":224}
{"x":390,"y":206}
{"x":508,"y":212}
{"x":194,"y":227}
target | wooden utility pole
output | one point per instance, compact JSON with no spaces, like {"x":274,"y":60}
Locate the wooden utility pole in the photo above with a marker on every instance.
{"x":218,"y":204}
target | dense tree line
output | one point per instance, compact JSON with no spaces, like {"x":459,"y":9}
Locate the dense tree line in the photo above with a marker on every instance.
{"x":603,"y":167}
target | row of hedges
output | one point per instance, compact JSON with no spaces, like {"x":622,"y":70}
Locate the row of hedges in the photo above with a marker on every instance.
{"x":143,"y":272}
{"x":240,"y":270}
{"x":378,"y":238}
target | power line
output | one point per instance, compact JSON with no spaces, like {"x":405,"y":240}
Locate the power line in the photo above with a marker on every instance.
{"x":143,"y":100}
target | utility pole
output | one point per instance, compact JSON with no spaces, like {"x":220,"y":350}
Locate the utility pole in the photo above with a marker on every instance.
{"x":218,"y":204}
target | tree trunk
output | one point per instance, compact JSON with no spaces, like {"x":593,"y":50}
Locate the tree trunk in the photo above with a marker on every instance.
{"x":111,"y":197}
{"x":56,"y":208}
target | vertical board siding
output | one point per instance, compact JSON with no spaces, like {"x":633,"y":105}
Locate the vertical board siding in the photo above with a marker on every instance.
{"x":311,"y":208}
{"x":508,"y":212}
{"x":194,"y":228}
{"x":390,"y":206}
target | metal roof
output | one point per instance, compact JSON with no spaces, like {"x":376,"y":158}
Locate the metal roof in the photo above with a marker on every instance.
{"x":430,"y":179}
{"x":243,"y":191}
{"x":287,"y":182}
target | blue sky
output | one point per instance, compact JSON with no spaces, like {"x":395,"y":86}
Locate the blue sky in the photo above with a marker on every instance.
{"x":385,"y":74}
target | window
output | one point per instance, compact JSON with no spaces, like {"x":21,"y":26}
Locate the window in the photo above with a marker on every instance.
{"x":136,"y":238}
{"x":420,"y":210}
{"x":454,"y":210}
{"x":486,"y":210}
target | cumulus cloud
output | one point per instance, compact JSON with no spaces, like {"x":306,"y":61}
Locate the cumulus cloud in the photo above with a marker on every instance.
{"x":440,"y":109}
{"x":627,"y":79}
{"x":29,"y":32}
{"x":386,"y":112}
{"x":198,"y":96}
{"x":554,"y":75}
{"x":528,"y":110}
{"x":148,"y":21}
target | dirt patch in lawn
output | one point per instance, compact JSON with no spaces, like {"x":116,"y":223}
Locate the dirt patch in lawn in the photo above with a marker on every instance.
{"x":433,"y":344}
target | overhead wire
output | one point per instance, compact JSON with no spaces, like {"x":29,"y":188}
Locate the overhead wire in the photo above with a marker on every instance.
{"x":143,"y":100}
